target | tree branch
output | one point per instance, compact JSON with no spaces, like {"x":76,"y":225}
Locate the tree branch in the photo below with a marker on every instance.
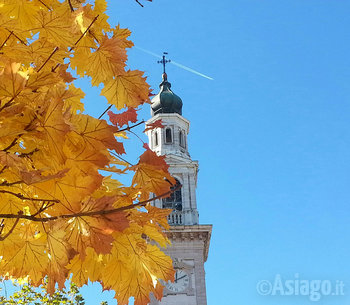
{"x":20,"y":196}
{"x":82,"y":35}
{"x":71,"y":6}
{"x":109,"y":107}
{"x":2,"y":170}
{"x":10,"y":231}
{"x":46,"y":61}
{"x":87,"y":214}
{"x":8,"y":37}
{"x":131,"y":127}
{"x":13,"y":143}
{"x":45,"y":5}
{"x":87,"y":29}
{"x":119,"y":157}
{"x":17,"y":37}
{"x":23,"y":155}
{"x":5,"y":183}
{"x":7,"y":104}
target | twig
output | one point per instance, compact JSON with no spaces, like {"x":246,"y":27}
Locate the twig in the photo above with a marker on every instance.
{"x":20,"y":196}
{"x":17,"y":37}
{"x":10,"y":231}
{"x":2,"y":225}
{"x":23,"y":155}
{"x":87,"y":29}
{"x":119,"y":157}
{"x":88,"y":214}
{"x":136,"y":136}
{"x":43,"y":207}
{"x":9,"y":102}
{"x":8,"y":37}
{"x":82,"y":35}
{"x":130,"y":127}
{"x":71,"y":6}
{"x":52,"y":53}
{"x":13,"y":143}
{"x":139,"y":2}
{"x":109,"y":107}
{"x":5,"y":183}
{"x":45,"y":5}
{"x":2,"y":170}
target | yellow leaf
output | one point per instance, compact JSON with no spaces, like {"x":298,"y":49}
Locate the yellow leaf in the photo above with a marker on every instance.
{"x":23,"y":11}
{"x":127,"y":90}
{"x":57,"y":27}
{"x":107,"y":61}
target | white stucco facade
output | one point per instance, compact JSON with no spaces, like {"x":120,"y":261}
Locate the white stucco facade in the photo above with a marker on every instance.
{"x":189,"y":239}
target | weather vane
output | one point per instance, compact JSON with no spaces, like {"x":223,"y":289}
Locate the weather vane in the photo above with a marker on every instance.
{"x":164,"y":61}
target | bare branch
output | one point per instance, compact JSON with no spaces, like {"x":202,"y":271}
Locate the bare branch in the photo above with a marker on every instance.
{"x":45,"y":5}
{"x":46,"y":61}
{"x":130,"y":127}
{"x":6,"y":183}
{"x":17,"y":37}
{"x":109,"y":107}
{"x":13,"y":143}
{"x":10,"y":231}
{"x":119,"y":157}
{"x":7,"y":104}
{"x":20,"y":196}
{"x":87,"y":29}
{"x":88,"y":214}
{"x":139,"y":2}
{"x":23,"y":155}
{"x":82,"y":35}
{"x":8,"y":37}
{"x":136,"y":136}
{"x":2,"y":225}
{"x":2,"y":170}
{"x":71,"y":6}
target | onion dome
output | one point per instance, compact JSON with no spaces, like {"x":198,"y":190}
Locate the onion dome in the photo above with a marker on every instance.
{"x":166,"y":101}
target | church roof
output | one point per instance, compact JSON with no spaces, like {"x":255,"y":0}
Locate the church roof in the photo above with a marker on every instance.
{"x":166,"y":101}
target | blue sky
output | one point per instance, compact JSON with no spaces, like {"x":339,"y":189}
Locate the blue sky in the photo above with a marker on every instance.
{"x":271,"y":133}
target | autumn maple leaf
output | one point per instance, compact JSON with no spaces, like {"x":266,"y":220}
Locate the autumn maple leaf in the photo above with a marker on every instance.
{"x":123,"y":118}
{"x":60,"y":217}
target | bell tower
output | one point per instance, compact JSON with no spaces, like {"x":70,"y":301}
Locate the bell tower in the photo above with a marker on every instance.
{"x":189,"y":239}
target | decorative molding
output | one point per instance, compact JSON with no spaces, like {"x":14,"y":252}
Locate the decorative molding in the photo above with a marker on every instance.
{"x":190,"y":233}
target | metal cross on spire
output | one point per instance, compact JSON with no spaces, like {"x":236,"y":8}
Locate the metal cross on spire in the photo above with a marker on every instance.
{"x":164,"y":61}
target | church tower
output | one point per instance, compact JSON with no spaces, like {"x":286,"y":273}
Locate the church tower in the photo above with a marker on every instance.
{"x":189,"y":239}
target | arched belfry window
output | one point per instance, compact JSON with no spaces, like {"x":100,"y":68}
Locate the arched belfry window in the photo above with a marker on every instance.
{"x":182,"y":138}
{"x":155,"y":138}
{"x":174,"y":201}
{"x":168,"y":135}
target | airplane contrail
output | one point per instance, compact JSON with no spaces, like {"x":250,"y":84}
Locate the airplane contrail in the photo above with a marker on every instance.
{"x":174,"y":63}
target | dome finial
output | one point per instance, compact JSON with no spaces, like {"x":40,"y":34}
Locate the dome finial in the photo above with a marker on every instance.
{"x":164,"y":62}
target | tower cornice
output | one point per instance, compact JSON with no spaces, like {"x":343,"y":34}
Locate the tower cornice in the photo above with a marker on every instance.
{"x":190,"y":233}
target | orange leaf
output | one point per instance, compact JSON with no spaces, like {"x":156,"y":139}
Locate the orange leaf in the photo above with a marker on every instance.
{"x":155,"y":124}
{"x":120,"y":119}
